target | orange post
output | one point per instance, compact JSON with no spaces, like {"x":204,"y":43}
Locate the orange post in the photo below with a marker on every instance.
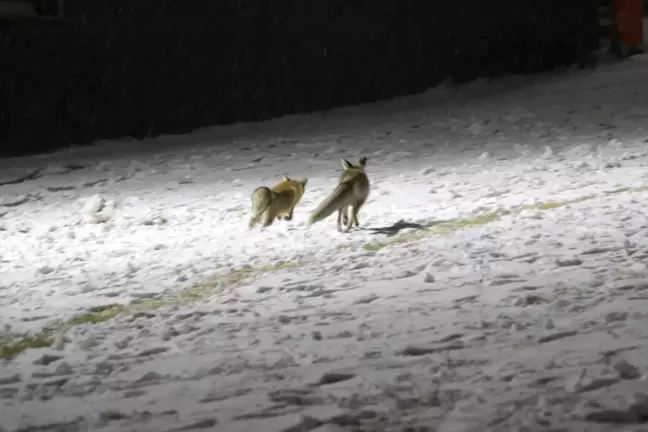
{"x":628,"y":17}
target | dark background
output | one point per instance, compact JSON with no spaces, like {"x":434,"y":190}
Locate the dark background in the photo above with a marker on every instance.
{"x":114,"y":68}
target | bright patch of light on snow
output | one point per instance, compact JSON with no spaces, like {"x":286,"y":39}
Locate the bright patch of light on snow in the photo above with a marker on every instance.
{"x":131,"y":220}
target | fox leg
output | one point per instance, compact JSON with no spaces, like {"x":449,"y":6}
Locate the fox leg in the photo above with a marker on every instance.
{"x":343,"y":224}
{"x":345,"y":217}
{"x":356,"y":209}
{"x":268,"y":218}
{"x":288,"y":216}
{"x":349,"y":213}
{"x":345,"y":220}
{"x":340,"y":217}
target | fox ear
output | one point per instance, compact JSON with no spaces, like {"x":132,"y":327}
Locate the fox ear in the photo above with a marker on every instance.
{"x":346,"y":164}
{"x":286,"y":178}
{"x":363,"y":161}
{"x":303,"y":183}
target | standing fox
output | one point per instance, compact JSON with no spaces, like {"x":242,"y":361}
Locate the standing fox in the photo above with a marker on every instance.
{"x":347,"y":198}
{"x":280,"y":201}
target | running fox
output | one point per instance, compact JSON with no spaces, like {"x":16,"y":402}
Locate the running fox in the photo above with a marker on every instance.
{"x":347,"y":198}
{"x":280,"y":201}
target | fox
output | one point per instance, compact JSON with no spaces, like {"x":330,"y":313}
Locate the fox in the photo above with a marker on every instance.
{"x":278,"y":202}
{"x":347,"y":198}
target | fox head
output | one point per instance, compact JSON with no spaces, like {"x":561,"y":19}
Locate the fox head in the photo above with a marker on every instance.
{"x":300,"y":184}
{"x":360,"y":166}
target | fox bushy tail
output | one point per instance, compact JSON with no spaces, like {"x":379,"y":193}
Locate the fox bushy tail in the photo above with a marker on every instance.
{"x":261,"y":199}
{"x":337,"y":199}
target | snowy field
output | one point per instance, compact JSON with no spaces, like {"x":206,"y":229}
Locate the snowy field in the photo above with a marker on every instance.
{"x":527,"y":310}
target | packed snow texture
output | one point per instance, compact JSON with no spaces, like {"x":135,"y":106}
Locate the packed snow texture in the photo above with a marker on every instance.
{"x":534,"y":322}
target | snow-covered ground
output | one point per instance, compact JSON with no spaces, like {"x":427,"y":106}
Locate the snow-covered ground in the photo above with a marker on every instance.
{"x":536,"y":321}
